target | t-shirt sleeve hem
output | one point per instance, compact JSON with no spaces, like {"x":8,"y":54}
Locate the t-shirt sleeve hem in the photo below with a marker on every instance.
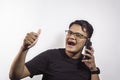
{"x":31,"y":75}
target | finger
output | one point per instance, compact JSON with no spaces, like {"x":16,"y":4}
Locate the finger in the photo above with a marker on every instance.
{"x":89,"y":51}
{"x":92,"y":49}
{"x":30,"y":39}
{"x":39,"y":31}
{"x":88,"y":55}
{"x":33,"y":35}
{"x":86,"y":61}
{"x":27,"y":42}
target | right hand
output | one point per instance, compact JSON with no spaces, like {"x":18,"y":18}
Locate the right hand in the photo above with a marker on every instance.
{"x":31,"y":39}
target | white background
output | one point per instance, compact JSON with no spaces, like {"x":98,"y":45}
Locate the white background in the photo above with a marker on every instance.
{"x":17,"y":17}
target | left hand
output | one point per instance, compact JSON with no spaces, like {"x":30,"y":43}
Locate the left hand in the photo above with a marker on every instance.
{"x":90,"y":63}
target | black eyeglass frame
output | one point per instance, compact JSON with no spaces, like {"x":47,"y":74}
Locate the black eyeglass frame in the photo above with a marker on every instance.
{"x":76,"y":34}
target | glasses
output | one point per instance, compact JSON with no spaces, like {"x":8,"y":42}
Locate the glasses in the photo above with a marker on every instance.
{"x":76,"y":34}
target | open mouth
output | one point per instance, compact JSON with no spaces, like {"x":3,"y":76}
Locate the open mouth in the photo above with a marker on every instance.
{"x":71,"y":43}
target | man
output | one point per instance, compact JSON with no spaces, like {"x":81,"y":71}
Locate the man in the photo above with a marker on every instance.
{"x":59,"y":64}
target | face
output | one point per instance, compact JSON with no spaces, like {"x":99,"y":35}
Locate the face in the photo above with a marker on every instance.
{"x":75,"y":39}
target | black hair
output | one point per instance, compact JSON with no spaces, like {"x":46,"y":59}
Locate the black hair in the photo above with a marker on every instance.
{"x":84,"y":25}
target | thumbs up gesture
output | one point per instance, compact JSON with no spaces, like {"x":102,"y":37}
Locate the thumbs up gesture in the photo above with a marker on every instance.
{"x":31,"y":39}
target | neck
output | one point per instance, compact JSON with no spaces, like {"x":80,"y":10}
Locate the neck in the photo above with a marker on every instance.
{"x":74,"y":55}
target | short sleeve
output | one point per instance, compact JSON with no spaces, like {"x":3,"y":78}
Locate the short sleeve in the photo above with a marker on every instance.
{"x":38,"y":64}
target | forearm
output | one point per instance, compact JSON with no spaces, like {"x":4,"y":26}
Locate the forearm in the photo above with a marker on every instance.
{"x":95,"y":77}
{"x":17,"y":66}
{"x":95,"y":73}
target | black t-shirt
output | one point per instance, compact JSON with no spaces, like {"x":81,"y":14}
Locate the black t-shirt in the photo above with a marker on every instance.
{"x":54,"y":64}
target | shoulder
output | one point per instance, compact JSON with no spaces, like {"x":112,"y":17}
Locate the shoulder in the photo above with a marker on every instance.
{"x":51,"y":52}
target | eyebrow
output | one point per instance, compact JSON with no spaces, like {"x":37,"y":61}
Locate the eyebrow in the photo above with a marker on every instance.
{"x":76,"y":32}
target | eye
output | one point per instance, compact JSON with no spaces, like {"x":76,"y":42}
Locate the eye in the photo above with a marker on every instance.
{"x":79,"y":35}
{"x":70,"y":32}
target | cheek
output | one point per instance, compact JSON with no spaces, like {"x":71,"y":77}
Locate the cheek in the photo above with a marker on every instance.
{"x":81,"y":44}
{"x":66,"y":38}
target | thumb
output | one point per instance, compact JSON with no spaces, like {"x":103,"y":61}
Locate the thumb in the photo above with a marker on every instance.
{"x":39,"y":31}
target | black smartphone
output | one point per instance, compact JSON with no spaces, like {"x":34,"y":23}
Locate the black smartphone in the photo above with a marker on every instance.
{"x":87,"y":46}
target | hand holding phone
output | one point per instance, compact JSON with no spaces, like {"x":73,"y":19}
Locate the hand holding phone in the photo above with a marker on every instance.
{"x":88,"y":46}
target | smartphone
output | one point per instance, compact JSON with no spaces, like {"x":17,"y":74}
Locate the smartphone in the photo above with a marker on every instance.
{"x":87,"y":46}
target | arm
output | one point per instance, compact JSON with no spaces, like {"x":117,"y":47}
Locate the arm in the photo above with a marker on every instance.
{"x":90,"y":63}
{"x":18,"y":69}
{"x":95,"y":77}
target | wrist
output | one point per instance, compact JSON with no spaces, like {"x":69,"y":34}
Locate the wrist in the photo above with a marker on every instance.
{"x":95,"y":70}
{"x":24,"y":48}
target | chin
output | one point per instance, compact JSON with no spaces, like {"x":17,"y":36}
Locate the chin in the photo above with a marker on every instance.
{"x":71,"y":50}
